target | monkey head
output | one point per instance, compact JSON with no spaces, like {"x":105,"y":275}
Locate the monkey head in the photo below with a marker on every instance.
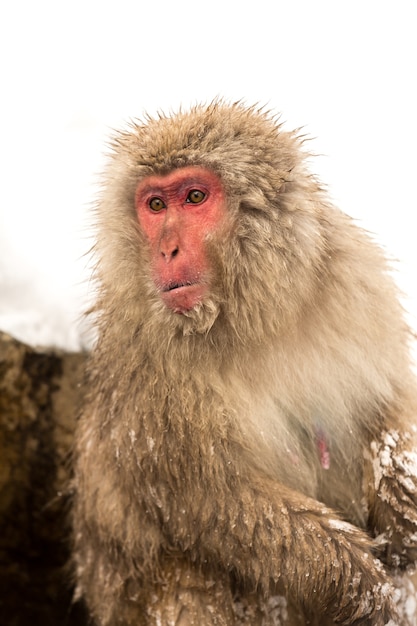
{"x":199,"y":221}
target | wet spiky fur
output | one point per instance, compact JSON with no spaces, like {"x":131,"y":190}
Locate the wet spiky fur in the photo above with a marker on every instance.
{"x":199,"y":484}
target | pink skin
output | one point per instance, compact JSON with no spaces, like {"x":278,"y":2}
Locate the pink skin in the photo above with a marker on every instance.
{"x":177,"y":228}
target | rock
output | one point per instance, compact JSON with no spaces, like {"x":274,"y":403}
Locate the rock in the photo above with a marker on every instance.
{"x":39,"y":394}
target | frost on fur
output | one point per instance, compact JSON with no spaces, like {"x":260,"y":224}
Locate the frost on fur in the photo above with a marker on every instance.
{"x":394,"y":475}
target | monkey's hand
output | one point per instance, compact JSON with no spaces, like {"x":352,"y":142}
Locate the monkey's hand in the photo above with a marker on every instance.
{"x":393,"y":497}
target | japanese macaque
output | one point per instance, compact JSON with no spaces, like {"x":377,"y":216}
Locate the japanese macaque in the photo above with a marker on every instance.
{"x":245,"y":454}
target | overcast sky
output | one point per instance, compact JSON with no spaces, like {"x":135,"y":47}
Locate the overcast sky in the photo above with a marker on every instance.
{"x":72,"y":71}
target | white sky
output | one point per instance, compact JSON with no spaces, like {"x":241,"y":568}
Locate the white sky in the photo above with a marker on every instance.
{"x":71,"y":71}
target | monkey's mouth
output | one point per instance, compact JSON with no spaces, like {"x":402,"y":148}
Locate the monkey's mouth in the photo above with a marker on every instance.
{"x":184,"y":295}
{"x":173,"y":286}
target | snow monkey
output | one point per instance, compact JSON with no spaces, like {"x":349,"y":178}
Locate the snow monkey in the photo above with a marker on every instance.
{"x":245,"y":451}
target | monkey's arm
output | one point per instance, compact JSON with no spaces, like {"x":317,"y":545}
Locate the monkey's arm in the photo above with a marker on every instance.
{"x":392,"y":495}
{"x":270,"y":533}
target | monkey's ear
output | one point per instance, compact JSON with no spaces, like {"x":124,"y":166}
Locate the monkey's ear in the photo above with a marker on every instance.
{"x":257,"y":200}
{"x":254,"y":204}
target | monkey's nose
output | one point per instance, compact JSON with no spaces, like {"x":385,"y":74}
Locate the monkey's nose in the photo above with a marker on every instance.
{"x":169,"y":252}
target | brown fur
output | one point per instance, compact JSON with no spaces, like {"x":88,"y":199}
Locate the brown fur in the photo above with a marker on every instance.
{"x":199,"y":486}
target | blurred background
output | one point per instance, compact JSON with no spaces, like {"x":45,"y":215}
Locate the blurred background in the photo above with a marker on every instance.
{"x":344,"y":71}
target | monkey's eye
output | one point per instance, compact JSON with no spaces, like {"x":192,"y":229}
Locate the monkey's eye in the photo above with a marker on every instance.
{"x":156,"y":204}
{"x":195,"y":196}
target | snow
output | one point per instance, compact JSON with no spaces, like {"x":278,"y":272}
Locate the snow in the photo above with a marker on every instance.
{"x":406,"y":600}
{"x":337,"y":524}
{"x":395,"y":462}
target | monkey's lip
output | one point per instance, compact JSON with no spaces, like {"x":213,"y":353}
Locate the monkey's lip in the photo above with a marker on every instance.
{"x":174,"y":286}
{"x":183,"y":296}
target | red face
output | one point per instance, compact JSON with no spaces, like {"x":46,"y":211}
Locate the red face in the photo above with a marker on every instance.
{"x":177,"y":213}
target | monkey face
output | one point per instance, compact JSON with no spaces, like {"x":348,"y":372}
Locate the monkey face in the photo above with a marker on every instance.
{"x":178,"y":213}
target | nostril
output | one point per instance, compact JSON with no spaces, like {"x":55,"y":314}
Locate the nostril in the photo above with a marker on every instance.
{"x":169,"y":254}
